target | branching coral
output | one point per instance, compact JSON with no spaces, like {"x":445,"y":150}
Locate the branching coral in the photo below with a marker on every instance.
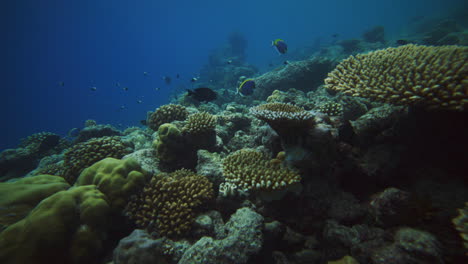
{"x":432,"y":77}
{"x":85,"y":154}
{"x":167,"y":204}
{"x":166,"y":114}
{"x":250,"y":170}
{"x":200,"y":123}
{"x":331,"y":109}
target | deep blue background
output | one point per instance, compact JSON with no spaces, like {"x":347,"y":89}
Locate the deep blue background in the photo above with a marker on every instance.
{"x":87,"y":43}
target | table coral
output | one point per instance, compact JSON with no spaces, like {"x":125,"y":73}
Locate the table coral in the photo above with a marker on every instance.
{"x":432,"y":77}
{"x":167,"y":204}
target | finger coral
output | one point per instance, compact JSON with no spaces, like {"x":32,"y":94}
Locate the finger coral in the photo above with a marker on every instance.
{"x":331,"y":109}
{"x":166,"y":114}
{"x":168,"y":202}
{"x":250,"y":170}
{"x":427,"y":76}
{"x":83,"y":155}
{"x":200,"y":123}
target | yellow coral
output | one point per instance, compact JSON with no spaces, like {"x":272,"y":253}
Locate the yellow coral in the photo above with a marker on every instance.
{"x":251,"y":170}
{"x":331,"y":109}
{"x":166,"y":114}
{"x":433,"y":77}
{"x":167,"y":203}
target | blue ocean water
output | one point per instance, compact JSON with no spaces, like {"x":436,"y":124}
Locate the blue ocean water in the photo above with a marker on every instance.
{"x":85,"y":44}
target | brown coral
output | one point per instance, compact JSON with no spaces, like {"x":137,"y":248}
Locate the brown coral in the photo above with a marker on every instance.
{"x":167,"y":204}
{"x":83,"y":155}
{"x":285,"y":119}
{"x":432,"y":77}
{"x":331,"y":109}
{"x":200,"y":123}
{"x":166,"y":114}
{"x":251,"y":170}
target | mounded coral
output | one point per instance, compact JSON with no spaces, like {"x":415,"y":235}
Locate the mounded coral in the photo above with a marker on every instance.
{"x":432,"y":77}
{"x":171,"y":149}
{"x":461,"y":224}
{"x":19,"y":197}
{"x":166,"y":114}
{"x":85,"y":154}
{"x":67,"y":227}
{"x":167,"y":204}
{"x":248,"y":170}
{"x":117,"y":179}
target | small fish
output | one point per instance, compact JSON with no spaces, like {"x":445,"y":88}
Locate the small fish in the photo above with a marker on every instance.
{"x":143,"y":122}
{"x":122,"y":107}
{"x":167,"y":80}
{"x":194,"y":79}
{"x":125,"y":88}
{"x":286,"y":62}
{"x":202,"y":94}
{"x":139,"y":101}
{"x":117,"y":84}
{"x":402,"y":42}
{"x":157,"y":88}
{"x":177,"y":76}
{"x":335,"y":35}
{"x":61,"y":83}
{"x":145,"y":73}
{"x":229,"y":61}
{"x":280,"y":46}
{"x":94,"y":88}
{"x":270,"y":64}
{"x":246,"y":87}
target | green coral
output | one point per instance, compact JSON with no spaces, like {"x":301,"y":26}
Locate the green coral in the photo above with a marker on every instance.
{"x":169,"y":143}
{"x":18,"y":198}
{"x":67,"y":227}
{"x":117,"y":179}
{"x":85,"y":154}
{"x":331,"y":109}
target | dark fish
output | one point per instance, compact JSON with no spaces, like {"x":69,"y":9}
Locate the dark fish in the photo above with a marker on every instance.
{"x":286,"y":62}
{"x":177,"y":76}
{"x":335,"y":35}
{"x":167,"y":79}
{"x":157,"y":88}
{"x":139,"y":101}
{"x":402,"y":42}
{"x":280,"y":45}
{"x":145,"y":73}
{"x":194,"y":79}
{"x":246,"y":87}
{"x":125,"y":88}
{"x":61,"y":84}
{"x":202,"y":94}
{"x":94,"y":88}
{"x":143,"y":122}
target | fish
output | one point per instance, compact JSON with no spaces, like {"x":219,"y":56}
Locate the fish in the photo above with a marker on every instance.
{"x":202,"y":94}
{"x":139,"y":101}
{"x":229,"y":61}
{"x":94,"y":88}
{"x":246,"y":87}
{"x":122,"y":107}
{"x":117,"y":84}
{"x":125,"y":88}
{"x":167,"y":79}
{"x":286,"y":62}
{"x":280,"y":46}
{"x":177,"y":76}
{"x":335,"y":35}
{"x":402,"y":42}
{"x":194,"y":79}
{"x":145,"y":73}
{"x":61,"y":83}
{"x":143,"y":122}
{"x":157,"y":88}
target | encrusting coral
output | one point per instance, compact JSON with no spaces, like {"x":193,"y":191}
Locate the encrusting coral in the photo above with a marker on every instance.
{"x":248,"y":170}
{"x":168,"y":202}
{"x":166,"y":114}
{"x":427,"y":76}
{"x":85,"y":154}
{"x":117,"y":179}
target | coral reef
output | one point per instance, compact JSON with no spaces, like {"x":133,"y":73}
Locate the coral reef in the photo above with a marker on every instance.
{"x":375,"y":34}
{"x":96,"y":131}
{"x":85,"y":154}
{"x":432,"y":77}
{"x":117,"y":179}
{"x":166,"y":114}
{"x":249,"y":170}
{"x":167,"y":204}
{"x":331,"y":109}
{"x":461,"y":224}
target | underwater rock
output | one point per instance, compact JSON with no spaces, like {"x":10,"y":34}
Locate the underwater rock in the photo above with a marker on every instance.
{"x":307,"y":256}
{"x":16,"y":163}
{"x":96,"y":131}
{"x":346,"y":208}
{"x":209,"y":165}
{"x":146,"y":158}
{"x":244,"y":238}
{"x":375,"y":34}
{"x":411,"y":246}
{"x":137,"y":137}
{"x":391,"y":207}
{"x":139,"y":247}
{"x":209,"y":224}
{"x":303,"y":75}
